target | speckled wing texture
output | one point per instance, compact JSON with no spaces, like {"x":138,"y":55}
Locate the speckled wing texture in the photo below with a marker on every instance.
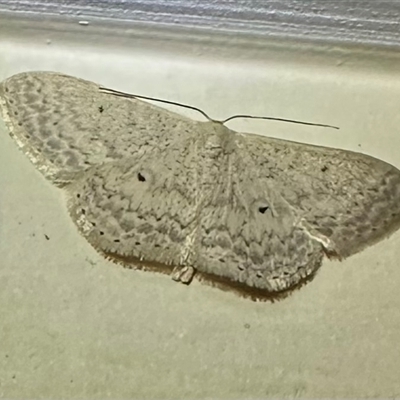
{"x":143,"y":208}
{"x":151,"y":189}
{"x":66,"y":125}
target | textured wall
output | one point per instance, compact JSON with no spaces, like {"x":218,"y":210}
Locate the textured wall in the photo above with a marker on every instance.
{"x":344,"y":20}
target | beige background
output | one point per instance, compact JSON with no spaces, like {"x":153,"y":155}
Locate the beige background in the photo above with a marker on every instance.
{"x":75,"y":325}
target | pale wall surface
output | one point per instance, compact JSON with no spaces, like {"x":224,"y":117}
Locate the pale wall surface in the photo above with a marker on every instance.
{"x":73,"y":325}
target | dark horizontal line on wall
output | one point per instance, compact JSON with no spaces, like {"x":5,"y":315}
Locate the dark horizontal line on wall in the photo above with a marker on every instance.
{"x":360,"y":22}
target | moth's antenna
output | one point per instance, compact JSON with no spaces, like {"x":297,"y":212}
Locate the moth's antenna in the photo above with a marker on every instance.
{"x":279,"y":119}
{"x":136,"y":96}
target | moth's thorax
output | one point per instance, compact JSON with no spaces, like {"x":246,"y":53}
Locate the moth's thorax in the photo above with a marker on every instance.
{"x":218,"y":139}
{"x":213,"y":158}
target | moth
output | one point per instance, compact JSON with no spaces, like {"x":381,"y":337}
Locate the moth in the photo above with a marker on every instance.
{"x":151,"y":189}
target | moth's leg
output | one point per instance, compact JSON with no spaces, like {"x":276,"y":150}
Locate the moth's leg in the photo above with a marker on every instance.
{"x":183,"y":274}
